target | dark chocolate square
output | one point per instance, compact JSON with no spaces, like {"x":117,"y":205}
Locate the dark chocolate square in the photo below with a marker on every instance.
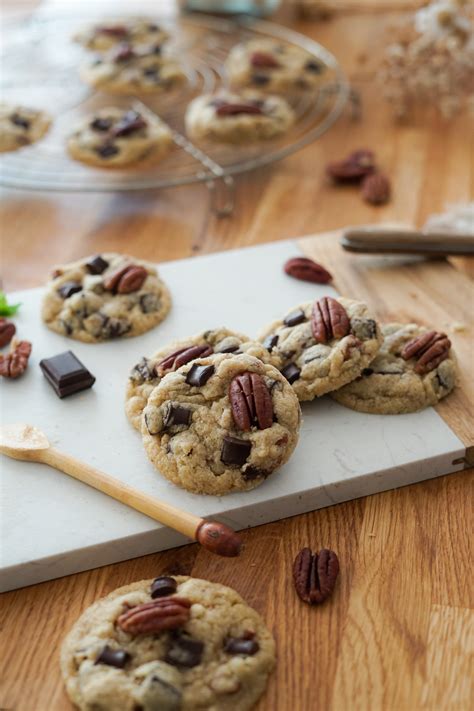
{"x":66,"y":374}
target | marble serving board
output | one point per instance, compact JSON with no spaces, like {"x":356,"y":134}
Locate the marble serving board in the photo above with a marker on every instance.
{"x":52,"y":525}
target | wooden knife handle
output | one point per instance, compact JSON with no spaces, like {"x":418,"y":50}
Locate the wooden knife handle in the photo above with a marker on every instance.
{"x":372,"y":240}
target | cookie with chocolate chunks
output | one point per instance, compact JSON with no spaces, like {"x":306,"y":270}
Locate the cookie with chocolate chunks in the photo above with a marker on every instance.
{"x":324,"y":344}
{"x":415,"y":368}
{"x":148,"y":372}
{"x":221,"y":423}
{"x":105,"y":296}
{"x":201,"y":646}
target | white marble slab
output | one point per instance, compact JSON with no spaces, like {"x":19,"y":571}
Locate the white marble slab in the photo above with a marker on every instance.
{"x":52,"y":525}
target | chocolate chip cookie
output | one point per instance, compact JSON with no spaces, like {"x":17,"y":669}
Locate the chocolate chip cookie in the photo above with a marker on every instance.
{"x":273,"y":66}
{"x":131,"y":70}
{"x":415,"y":368}
{"x":106,"y":296}
{"x":173,"y":644}
{"x":114,"y":137}
{"x":133,"y":30}
{"x":221,"y":424}
{"x":148,"y":372}
{"x":21,"y":126}
{"x":237,"y":117}
{"x":323,"y":345}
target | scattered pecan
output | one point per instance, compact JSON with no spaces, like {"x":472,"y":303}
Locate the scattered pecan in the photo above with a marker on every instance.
{"x":353,"y":168}
{"x":7,"y":331}
{"x":184,"y":355}
{"x":375,"y":189}
{"x":264,"y":60}
{"x":126,"y":279}
{"x":251,"y":402}
{"x":307,"y":270}
{"x":15,"y":362}
{"x":166,"y":613}
{"x":235,"y":109}
{"x":329,"y":320}
{"x":430,"y":349}
{"x":315,"y":575}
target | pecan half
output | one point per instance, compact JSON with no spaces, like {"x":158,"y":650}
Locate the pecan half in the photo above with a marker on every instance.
{"x":430,"y":349}
{"x":307,"y":270}
{"x":315,"y":575}
{"x":329,"y":320}
{"x":125,"y":279}
{"x":251,"y":402}
{"x":375,"y":189}
{"x":183,"y":355}
{"x":15,"y":362}
{"x":7,"y":331}
{"x":264,"y":59}
{"x":353,"y":168}
{"x":166,"y":613}
{"x":235,"y":109}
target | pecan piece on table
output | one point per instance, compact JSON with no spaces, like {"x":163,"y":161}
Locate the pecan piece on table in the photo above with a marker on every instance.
{"x":251,"y":402}
{"x":166,"y":613}
{"x":353,"y":168}
{"x":307,"y":270}
{"x":184,"y":355}
{"x":430,"y":349}
{"x":329,"y":320}
{"x":7,"y":331}
{"x":315,"y":575}
{"x":15,"y":362}
{"x":126,"y":279}
{"x":375,"y":189}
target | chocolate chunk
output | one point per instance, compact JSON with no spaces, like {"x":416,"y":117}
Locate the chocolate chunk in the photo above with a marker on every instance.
{"x":184,"y":651}
{"x":68,"y":289}
{"x":159,"y":695}
{"x":163,"y":586}
{"x":237,"y":645}
{"x":115,"y":327}
{"x":367,"y":371}
{"x":96,"y":265}
{"x":270,"y":342}
{"x":101,"y":124}
{"x":291,"y":372}
{"x":113,"y":657}
{"x":260,"y":79}
{"x":142,"y":371}
{"x":199,"y":374}
{"x":314,"y":66}
{"x":151,"y":72}
{"x":129,"y":123}
{"x":66,"y":374}
{"x":252,"y":473}
{"x":21,"y":121}
{"x":149,"y":303}
{"x":295,"y":318}
{"x":176,"y":415}
{"x":364,"y":328}
{"x":235,"y":451}
{"x":107,"y":150}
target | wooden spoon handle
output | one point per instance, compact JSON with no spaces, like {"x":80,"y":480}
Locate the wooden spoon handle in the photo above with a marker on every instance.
{"x":216,"y":537}
{"x":380,"y":240}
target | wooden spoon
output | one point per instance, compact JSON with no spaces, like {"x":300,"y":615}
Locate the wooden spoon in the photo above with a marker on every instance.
{"x":29,"y":444}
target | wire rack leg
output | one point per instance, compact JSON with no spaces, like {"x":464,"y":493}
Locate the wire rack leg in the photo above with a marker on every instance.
{"x":222,"y":193}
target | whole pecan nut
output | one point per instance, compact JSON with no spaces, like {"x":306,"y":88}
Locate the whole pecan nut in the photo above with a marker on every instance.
{"x":430,"y":349}
{"x":184,"y":355}
{"x":15,"y":362}
{"x":7,"y":331}
{"x":329,"y":320}
{"x":126,"y":279}
{"x":235,"y":109}
{"x":166,"y":613}
{"x":375,"y":189}
{"x":315,"y":575}
{"x":353,"y":168}
{"x":307,"y":270}
{"x":264,"y":60}
{"x":251,"y":402}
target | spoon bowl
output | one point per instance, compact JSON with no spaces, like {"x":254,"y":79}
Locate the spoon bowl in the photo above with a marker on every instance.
{"x":21,"y":441}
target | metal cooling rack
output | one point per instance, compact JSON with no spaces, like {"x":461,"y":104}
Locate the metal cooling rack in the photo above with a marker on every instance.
{"x":39,"y":68}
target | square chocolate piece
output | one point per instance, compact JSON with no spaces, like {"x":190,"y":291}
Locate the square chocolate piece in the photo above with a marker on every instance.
{"x":66,"y":374}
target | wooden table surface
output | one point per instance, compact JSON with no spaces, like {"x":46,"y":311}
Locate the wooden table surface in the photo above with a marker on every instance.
{"x":398,"y":630}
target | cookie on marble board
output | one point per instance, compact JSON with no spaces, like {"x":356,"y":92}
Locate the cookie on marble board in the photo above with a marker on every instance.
{"x":173,"y":643}
{"x":20,"y":126}
{"x":104,"y":35}
{"x":103,"y":297}
{"x":323,"y":345}
{"x":220,"y":424}
{"x":129,"y":70}
{"x":114,"y":137}
{"x":273,"y":66}
{"x":232,"y":117}
{"x":148,"y":372}
{"x":415,"y":368}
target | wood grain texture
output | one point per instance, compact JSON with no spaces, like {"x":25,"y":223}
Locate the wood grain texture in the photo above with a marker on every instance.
{"x":395,"y":636}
